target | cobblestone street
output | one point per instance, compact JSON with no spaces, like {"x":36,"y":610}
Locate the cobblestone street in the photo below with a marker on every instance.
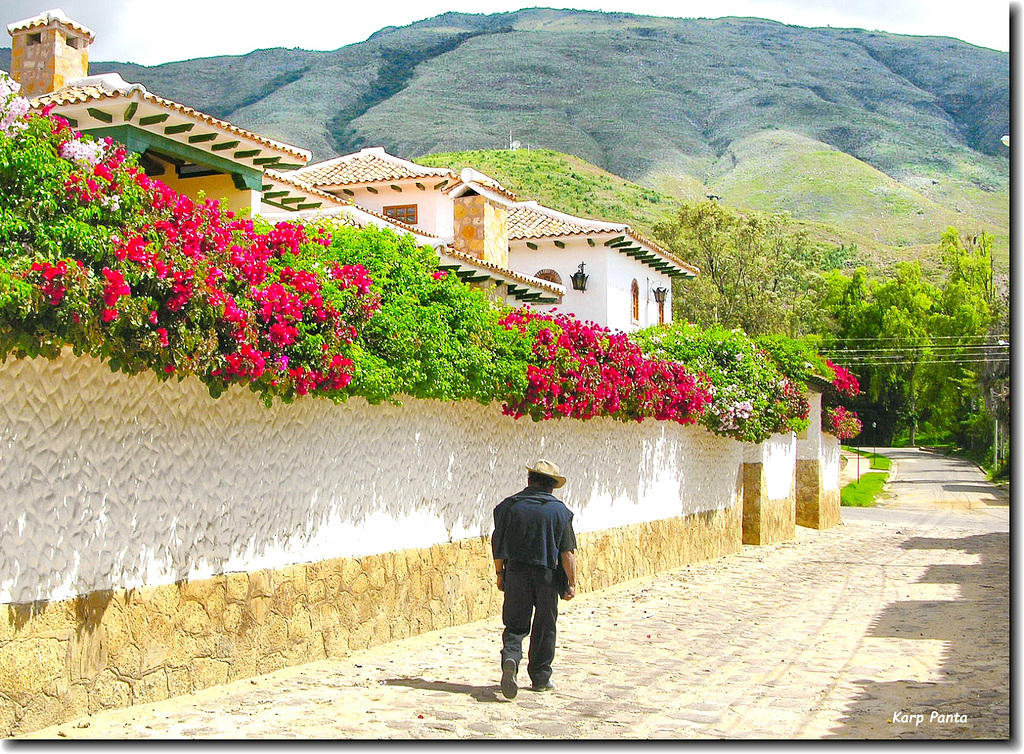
{"x":852,"y":632}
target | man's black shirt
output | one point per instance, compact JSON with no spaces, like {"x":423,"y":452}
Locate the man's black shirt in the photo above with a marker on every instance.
{"x":532,"y":527}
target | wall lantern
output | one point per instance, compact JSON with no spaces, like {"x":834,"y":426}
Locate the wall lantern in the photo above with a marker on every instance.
{"x":579,"y":279}
{"x":660,"y":294}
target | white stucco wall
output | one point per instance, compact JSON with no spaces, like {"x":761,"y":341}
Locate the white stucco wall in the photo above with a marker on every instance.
{"x":112,"y":481}
{"x":435,"y":211}
{"x":607,"y":300}
{"x":622,"y":271}
{"x":591,"y":304}
{"x":778,"y":456}
{"x":809,"y":441}
{"x":830,"y":457}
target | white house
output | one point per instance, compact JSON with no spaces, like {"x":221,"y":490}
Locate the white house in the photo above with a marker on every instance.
{"x":609,"y":274}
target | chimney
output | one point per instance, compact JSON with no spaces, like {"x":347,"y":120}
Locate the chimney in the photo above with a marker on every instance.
{"x":47,"y":51}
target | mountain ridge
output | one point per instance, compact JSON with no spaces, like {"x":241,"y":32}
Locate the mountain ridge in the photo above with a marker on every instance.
{"x":666,"y":103}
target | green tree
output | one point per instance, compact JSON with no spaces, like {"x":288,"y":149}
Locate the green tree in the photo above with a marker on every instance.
{"x":757,"y":272}
{"x":915,"y":345}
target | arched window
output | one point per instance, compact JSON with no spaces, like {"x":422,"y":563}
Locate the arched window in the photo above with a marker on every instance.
{"x":550,"y":275}
{"x":635,"y":295}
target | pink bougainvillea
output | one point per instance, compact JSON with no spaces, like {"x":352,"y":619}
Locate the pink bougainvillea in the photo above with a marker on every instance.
{"x":841,"y":422}
{"x":582,"y":370}
{"x":845,"y":381}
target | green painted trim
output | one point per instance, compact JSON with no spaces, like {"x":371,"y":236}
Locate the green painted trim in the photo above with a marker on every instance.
{"x":129,"y":112}
{"x":620,"y":244}
{"x":372,"y":190}
{"x":396,"y":188}
{"x":267,"y":161}
{"x":152,"y":120}
{"x":292,"y":199}
{"x":350,"y":192}
{"x":100,"y":115}
{"x":279,"y":206}
{"x":531,"y":245}
{"x":201,"y":137}
{"x":560,"y":244}
{"x":611,"y":241}
{"x":310,"y":205}
{"x":421,"y":187}
{"x":289,"y":165}
{"x":138,"y":140}
{"x":73,"y":122}
{"x":246,"y":153}
{"x":225,"y":145}
{"x":442,"y":184}
{"x":179,"y":129}
{"x":591,"y":242}
{"x":275,"y":194}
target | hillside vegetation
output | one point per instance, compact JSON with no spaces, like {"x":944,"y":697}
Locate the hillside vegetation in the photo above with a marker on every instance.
{"x":884,"y":139}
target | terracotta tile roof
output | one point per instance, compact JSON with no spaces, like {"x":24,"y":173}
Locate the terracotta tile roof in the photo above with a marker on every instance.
{"x":469,"y":176}
{"x":529,"y":220}
{"x":371,"y":165}
{"x":111,"y":87}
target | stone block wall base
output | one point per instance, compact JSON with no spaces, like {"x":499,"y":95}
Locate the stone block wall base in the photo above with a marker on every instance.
{"x":62,"y":660}
{"x":765,"y":521}
{"x":816,"y":508}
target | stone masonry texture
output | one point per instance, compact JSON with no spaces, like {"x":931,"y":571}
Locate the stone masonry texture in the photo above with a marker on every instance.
{"x":765,"y":521}
{"x":64,"y":659}
{"x":816,"y":508}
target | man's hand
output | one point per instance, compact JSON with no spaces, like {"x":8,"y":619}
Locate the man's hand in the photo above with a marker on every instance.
{"x":570,"y":592}
{"x":501,"y":581}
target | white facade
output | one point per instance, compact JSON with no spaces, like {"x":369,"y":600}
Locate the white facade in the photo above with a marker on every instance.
{"x":434,"y":209}
{"x":608,"y":299}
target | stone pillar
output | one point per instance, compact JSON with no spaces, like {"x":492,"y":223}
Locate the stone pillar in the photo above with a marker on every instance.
{"x":769,"y":496}
{"x":817,"y":498}
{"x":481,"y":229}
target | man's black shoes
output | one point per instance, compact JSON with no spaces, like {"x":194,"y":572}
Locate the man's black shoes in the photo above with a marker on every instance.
{"x":549,"y":686}
{"x":509,"y":688}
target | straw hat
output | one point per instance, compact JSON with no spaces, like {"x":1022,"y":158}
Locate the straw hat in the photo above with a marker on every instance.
{"x":548,"y":469}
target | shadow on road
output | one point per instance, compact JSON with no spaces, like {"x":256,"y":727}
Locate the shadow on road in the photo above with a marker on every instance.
{"x":480,"y":693}
{"x":971,"y":697}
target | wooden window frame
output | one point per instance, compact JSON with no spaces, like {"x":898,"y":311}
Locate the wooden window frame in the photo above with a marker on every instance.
{"x":402,"y":213}
{"x":634,"y":295}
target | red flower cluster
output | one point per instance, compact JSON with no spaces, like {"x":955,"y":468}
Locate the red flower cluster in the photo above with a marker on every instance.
{"x":845,"y":381}
{"x":582,"y":370}
{"x":51,"y":282}
{"x":841,"y":422}
{"x":204,"y":292}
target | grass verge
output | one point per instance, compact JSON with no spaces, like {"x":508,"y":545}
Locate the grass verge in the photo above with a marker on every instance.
{"x":862,"y":493}
{"x":882,"y":463}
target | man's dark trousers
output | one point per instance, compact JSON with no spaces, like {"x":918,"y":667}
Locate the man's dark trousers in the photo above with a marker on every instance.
{"x":531,"y":607}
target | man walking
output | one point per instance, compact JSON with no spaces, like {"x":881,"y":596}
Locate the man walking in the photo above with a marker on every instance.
{"x":534,"y":555}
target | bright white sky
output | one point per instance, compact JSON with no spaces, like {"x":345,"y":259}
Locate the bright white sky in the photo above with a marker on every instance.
{"x":150,"y":32}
